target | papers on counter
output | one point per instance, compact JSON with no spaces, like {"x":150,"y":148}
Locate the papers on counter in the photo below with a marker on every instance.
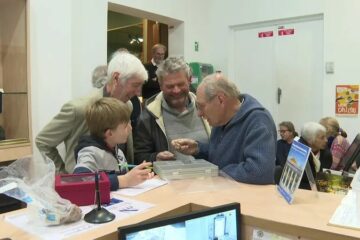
{"x":120,"y":206}
{"x":141,"y":188}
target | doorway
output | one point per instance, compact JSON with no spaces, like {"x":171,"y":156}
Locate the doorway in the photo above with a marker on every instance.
{"x":280,"y":63}
{"x":174,"y":27}
{"x":135,"y":34}
{"x":124,"y":31}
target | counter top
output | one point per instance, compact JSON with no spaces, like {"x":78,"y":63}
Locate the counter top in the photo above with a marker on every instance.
{"x":261,"y":207}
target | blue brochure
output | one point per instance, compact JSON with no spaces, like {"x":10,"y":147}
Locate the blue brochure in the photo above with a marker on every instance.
{"x":293,"y":170}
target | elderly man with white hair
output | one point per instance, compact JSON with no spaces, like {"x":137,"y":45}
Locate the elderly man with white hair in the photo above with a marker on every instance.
{"x":313,"y":135}
{"x":243,"y":138}
{"x":125,"y":77}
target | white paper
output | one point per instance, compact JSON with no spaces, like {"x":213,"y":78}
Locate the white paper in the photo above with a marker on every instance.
{"x":123,"y":208}
{"x":347,"y":214}
{"x":141,"y":188}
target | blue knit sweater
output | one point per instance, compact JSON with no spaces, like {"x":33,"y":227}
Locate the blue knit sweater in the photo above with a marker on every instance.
{"x":244,"y":148}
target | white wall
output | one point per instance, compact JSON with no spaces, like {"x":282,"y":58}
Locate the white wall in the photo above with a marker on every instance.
{"x":50,"y":58}
{"x":68,"y":39}
{"x":209,"y":22}
{"x":88,"y":42}
{"x":341,"y":40}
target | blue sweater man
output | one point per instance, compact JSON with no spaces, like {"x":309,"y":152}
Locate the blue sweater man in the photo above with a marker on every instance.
{"x":243,"y":139}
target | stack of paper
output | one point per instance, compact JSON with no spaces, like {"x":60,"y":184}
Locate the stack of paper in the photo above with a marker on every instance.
{"x":347,"y":215}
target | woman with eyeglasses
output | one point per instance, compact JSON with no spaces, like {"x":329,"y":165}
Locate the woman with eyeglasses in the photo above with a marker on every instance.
{"x":287,"y":133}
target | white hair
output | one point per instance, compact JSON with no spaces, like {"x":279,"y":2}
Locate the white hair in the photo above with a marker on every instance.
{"x":127,"y":65}
{"x":99,"y":76}
{"x":218,"y":82}
{"x":311,"y":130}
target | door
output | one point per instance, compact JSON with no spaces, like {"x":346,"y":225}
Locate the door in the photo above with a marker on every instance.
{"x":254,"y":65}
{"x":280,"y":64}
{"x":299,"y":73}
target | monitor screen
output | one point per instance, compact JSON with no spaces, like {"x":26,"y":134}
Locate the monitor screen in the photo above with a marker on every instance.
{"x":352,"y":154}
{"x":222,"y":222}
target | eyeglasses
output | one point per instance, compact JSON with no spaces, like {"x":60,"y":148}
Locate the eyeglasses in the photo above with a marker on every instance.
{"x":201,"y":106}
{"x":283,"y":131}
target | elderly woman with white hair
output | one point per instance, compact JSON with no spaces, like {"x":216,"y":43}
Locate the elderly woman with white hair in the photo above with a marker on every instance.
{"x":313,"y":135}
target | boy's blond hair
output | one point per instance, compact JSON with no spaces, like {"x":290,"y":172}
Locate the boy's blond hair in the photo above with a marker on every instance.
{"x":106,"y":113}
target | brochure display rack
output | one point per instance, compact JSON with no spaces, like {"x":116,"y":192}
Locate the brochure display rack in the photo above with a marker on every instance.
{"x":293,"y":170}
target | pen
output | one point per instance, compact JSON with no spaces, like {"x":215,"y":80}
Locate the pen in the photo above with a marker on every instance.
{"x":132,"y":166}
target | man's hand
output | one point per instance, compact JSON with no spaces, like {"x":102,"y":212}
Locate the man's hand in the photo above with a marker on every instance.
{"x":185,"y":146}
{"x":165,"y":156}
{"x":136,"y":175}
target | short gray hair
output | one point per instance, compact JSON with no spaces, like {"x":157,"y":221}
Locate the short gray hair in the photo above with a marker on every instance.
{"x":216,"y":82}
{"x":127,"y":65}
{"x":172,"y":65}
{"x":311,"y":130}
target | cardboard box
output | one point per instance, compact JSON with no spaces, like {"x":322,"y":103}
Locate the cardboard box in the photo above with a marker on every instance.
{"x":219,"y":222}
{"x":187,"y":208}
{"x":80,"y":188}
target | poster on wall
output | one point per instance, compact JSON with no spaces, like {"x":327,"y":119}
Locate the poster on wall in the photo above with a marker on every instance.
{"x":347,"y":100}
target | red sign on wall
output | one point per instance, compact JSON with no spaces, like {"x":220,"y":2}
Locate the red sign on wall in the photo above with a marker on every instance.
{"x":266,"y":34}
{"x":283,"y":32}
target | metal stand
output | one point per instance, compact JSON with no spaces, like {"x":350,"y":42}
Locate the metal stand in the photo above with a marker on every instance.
{"x":98,"y":214}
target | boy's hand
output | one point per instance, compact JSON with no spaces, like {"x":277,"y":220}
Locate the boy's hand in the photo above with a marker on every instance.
{"x":185,"y":146}
{"x":136,"y":175}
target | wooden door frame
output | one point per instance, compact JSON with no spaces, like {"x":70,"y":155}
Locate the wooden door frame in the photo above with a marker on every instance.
{"x":153,"y":33}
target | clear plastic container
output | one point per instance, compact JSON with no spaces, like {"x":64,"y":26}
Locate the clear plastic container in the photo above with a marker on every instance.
{"x":172,"y":170}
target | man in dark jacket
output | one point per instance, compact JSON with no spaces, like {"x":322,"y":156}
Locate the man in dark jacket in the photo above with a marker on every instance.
{"x":169,"y":115}
{"x":151,"y":86}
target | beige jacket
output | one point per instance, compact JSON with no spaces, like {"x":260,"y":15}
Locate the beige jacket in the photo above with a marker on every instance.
{"x":68,"y":126}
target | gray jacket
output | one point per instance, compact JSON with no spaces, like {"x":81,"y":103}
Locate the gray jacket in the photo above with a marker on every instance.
{"x":150,"y":135}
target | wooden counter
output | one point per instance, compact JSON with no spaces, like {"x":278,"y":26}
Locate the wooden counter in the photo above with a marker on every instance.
{"x":261,"y":207}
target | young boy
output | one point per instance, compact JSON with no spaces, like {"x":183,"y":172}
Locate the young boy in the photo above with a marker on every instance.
{"x":108,"y":120}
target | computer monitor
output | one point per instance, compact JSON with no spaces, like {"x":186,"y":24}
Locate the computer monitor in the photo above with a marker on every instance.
{"x":221,"y":222}
{"x":352,"y":155}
